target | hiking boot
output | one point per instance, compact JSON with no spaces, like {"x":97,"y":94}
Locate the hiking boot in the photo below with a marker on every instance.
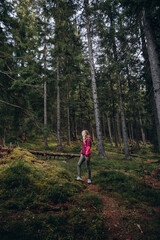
{"x":78,"y":179}
{"x":89,"y":181}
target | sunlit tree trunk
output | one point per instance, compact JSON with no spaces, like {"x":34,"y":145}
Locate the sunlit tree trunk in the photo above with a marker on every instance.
{"x":109,"y":130}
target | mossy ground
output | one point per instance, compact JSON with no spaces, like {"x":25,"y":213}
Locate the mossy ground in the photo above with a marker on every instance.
{"x":41,"y":197}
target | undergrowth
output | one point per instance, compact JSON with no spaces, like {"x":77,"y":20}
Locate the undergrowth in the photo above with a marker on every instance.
{"x":132,"y":190}
{"x":41,"y":197}
{"x":33,"y":195}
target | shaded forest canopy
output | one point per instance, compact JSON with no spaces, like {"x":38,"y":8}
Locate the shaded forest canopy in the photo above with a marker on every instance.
{"x":68,"y":65}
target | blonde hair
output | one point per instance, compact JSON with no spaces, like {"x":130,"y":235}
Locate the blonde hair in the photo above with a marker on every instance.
{"x":85,"y":134}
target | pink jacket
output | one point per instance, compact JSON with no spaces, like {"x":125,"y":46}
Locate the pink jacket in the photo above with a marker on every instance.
{"x":86,"y":147}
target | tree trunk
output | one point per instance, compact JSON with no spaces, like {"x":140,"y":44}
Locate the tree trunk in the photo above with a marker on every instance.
{"x":45,"y":114}
{"x":131,"y":135}
{"x":68,"y":127}
{"x":109,"y":130}
{"x":104,"y":128}
{"x":132,"y":132}
{"x":123,"y":120}
{"x":154,"y":66}
{"x":142,"y":132}
{"x":45,"y":97}
{"x":150,"y":91}
{"x":81,"y":110}
{"x":129,"y":131}
{"x":68,"y":121}
{"x":157,"y":124}
{"x":92,"y":130}
{"x":115,"y":132}
{"x":137,"y":134}
{"x":59,"y":144}
{"x":94,"y":88}
{"x":75,"y":127}
{"x":118,"y":128}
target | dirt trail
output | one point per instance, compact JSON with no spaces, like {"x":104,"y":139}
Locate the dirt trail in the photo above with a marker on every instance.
{"x":113,"y":214}
{"x":123,"y":223}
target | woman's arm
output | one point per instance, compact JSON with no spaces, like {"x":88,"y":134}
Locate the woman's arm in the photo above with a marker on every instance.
{"x":88,"y":147}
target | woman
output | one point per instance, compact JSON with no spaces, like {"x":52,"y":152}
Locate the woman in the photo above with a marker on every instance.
{"x":85,"y":155}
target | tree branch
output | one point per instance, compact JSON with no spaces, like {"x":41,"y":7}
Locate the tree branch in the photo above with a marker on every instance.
{"x":30,"y":85}
{"x":10,"y":104}
{"x":24,"y":110}
{"x":8,"y":75}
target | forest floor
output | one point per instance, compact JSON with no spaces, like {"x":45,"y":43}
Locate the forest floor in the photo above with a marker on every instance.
{"x":42,"y":197}
{"x":116,"y":216}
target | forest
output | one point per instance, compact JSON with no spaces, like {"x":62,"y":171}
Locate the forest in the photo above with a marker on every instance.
{"x":66,"y":66}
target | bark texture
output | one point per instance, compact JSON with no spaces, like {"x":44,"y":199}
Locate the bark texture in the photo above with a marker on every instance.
{"x":68,"y":122}
{"x":59,"y":144}
{"x":142,"y":131}
{"x":109,"y":130}
{"x":154,"y":66}
{"x":45,"y":97}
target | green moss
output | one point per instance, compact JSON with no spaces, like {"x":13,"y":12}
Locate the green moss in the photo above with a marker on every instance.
{"x":30,"y":189}
{"x":130,"y":188}
{"x":91,"y":200}
{"x":87,"y":225}
{"x":25,"y":182}
{"x":20,"y":153}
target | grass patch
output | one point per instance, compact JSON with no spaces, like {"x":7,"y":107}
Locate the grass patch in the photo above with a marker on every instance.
{"x":87,"y":224}
{"x":75,"y":224}
{"x":128,"y":187}
{"x":24,"y":184}
{"x":29,"y":226}
{"x":31,"y":188}
{"x":91,"y":200}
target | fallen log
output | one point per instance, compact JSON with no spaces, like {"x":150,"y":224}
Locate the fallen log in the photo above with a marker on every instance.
{"x":50,"y":154}
{"x":67,"y":155}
